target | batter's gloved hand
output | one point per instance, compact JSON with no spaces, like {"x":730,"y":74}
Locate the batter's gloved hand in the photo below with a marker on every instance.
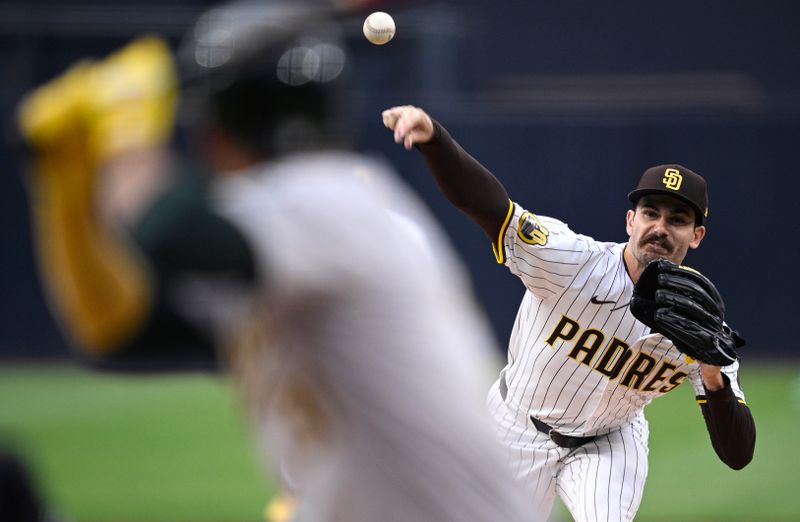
{"x":685,"y":306}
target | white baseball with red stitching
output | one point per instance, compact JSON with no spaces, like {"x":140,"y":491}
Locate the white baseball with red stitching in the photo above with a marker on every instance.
{"x":379,"y":27}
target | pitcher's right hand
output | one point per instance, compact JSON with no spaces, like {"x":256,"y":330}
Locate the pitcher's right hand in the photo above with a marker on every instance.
{"x":411,"y":125}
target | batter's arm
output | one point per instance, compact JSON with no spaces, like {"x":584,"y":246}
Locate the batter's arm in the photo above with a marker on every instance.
{"x":74,"y":126}
{"x":96,"y":284}
{"x":730,"y":424}
{"x":467,"y":184}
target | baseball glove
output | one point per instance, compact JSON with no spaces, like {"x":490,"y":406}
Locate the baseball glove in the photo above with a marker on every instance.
{"x":684,"y":306}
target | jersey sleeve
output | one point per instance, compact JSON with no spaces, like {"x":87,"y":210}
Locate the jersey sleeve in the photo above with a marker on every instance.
{"x":543,"y":252}
{"x":731,"y":372}
{"x":182,"y":240}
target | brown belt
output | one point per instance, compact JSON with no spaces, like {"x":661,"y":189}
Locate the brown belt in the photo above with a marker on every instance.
{"x":565,"y":441}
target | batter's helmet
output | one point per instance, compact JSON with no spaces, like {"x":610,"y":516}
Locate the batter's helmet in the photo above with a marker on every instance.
{"x":271,"y":73}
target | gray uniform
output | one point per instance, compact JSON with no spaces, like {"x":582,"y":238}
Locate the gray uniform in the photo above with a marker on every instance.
{"x":363,"y":355}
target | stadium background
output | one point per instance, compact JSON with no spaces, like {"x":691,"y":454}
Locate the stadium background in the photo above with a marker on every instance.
{"x":568,"y":102}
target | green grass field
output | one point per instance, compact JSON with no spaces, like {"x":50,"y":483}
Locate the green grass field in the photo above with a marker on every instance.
{"x":163,"y":449}
{"x":131,"y":448}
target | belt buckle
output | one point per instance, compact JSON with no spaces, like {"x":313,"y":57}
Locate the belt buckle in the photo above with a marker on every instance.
{"x":561,"y":440}
{"x":550,"y":434}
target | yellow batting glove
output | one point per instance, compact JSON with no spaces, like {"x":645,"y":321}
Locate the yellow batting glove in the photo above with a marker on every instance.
{"x":124,"y":103}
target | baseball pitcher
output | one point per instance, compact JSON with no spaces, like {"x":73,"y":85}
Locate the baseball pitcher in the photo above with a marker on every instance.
{"x":603,"y":329}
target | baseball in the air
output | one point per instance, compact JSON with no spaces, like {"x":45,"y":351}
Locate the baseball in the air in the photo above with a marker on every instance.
{"x":379,"y":27}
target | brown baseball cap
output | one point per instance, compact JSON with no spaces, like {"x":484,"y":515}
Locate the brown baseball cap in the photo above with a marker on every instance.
{"x":677,"y":181}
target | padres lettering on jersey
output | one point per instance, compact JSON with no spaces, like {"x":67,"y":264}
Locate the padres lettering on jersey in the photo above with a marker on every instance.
{"x":614,"y":356}
{"x":577,"y":358}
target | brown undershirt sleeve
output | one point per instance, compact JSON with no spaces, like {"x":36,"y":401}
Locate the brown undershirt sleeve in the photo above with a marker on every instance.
{"x":730,"y":425}
{"x":467,"y":184}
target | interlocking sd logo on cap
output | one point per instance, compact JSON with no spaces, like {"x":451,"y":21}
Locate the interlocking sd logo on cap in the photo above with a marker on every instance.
{"x":677,"y":181}
{"x":672,"y":179}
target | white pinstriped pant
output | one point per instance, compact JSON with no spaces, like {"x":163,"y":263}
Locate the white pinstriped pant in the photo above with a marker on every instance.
{"x":602,"y":480}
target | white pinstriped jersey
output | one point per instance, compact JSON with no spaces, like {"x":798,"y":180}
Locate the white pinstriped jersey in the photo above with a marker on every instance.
{"x":365,"y":356}
{"x":577,"y":359}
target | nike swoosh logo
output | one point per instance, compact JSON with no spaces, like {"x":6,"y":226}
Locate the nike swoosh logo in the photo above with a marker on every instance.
{"x":597,"y":301}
